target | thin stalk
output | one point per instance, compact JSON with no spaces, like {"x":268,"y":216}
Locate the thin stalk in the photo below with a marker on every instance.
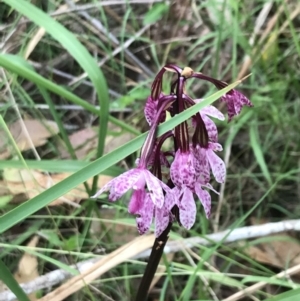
{"x":154,"y":259}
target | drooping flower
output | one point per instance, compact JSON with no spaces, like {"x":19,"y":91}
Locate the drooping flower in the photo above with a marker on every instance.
{"x":235,"y":100}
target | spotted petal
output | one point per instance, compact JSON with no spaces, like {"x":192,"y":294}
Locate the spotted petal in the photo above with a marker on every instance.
{"x":217,"y":166}
{"x":123,"y":183}
{"x":182,"y":170}
{"x":137,"y":201}
{"x":187,"y":208}
{"x":155,"y":189}
{"x":204,"y":198}
{"x":211,"y":128}
{"x":213,"y":112}
{"x":235,"y":100}
{"x":150,"y":110}
{"x":146,"y":215}
{"x":201,"y":164}
{"x":162,"y":219}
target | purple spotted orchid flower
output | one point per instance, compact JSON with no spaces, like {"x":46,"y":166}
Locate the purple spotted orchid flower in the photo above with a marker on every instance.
{"x":165,"y":182}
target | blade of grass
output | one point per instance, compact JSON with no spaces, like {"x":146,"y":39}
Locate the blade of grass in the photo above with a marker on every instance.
{"x":22,"y":211}
{"x":56,"y":166}
{"x":292,"y":295}
{"x":7,"y":277}
{"x":257,"y":149}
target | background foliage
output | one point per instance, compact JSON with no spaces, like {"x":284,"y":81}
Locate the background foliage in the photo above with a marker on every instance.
{"x":76,"y":74}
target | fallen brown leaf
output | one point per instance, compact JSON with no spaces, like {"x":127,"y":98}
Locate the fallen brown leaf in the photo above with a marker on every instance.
{"x":28,"y":267}
{"x":283,"y":251}
{"x":85,"y":142}
{"x":38,"y":130}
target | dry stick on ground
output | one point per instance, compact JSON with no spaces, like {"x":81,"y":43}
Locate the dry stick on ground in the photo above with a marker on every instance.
{"x":141,"y":250}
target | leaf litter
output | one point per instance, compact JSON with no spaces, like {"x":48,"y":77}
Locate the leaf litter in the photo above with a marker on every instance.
{"x":38,"y":130}
{"x":27,"y":268}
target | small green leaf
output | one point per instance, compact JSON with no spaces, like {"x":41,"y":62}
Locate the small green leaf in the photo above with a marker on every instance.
{"x":5,"y":200}
{"x":132,"y":96}
{"x":71,"y":244}
{"x":155,"y":13}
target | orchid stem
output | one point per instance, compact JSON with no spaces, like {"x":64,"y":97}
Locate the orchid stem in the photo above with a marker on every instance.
{"x":154,"y":259}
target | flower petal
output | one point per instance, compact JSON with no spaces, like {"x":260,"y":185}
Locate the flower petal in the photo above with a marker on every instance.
{"x":124,"y":182}
{"x":207,"y":185}
{"x":204,"y":198}
{"x":171,"y":198}
{"x":213,"y":112}
{"x":162,"y":219}
{"x":146,"y":215}
{"x":105,"y":188}
{"x":137,"y":201}
{"x":235,"y":101}
{"x":155,"y":189}
{"x":182,"y":170}
{"x":211,"y":128}
{"x":201,"y":164}
{"x":187,"y":208}
{"x":217,"y":166}
{"x":150,"y":110}
{"x":215,"y":146}
{"x":120,"y":185}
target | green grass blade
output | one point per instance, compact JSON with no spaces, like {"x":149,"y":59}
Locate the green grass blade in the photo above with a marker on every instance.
{"x":292,"y":295}
{"x":56,"y":166}
{"x":258,"y":152}
{"x":22,"y":211}
{"x":11,"y":283}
